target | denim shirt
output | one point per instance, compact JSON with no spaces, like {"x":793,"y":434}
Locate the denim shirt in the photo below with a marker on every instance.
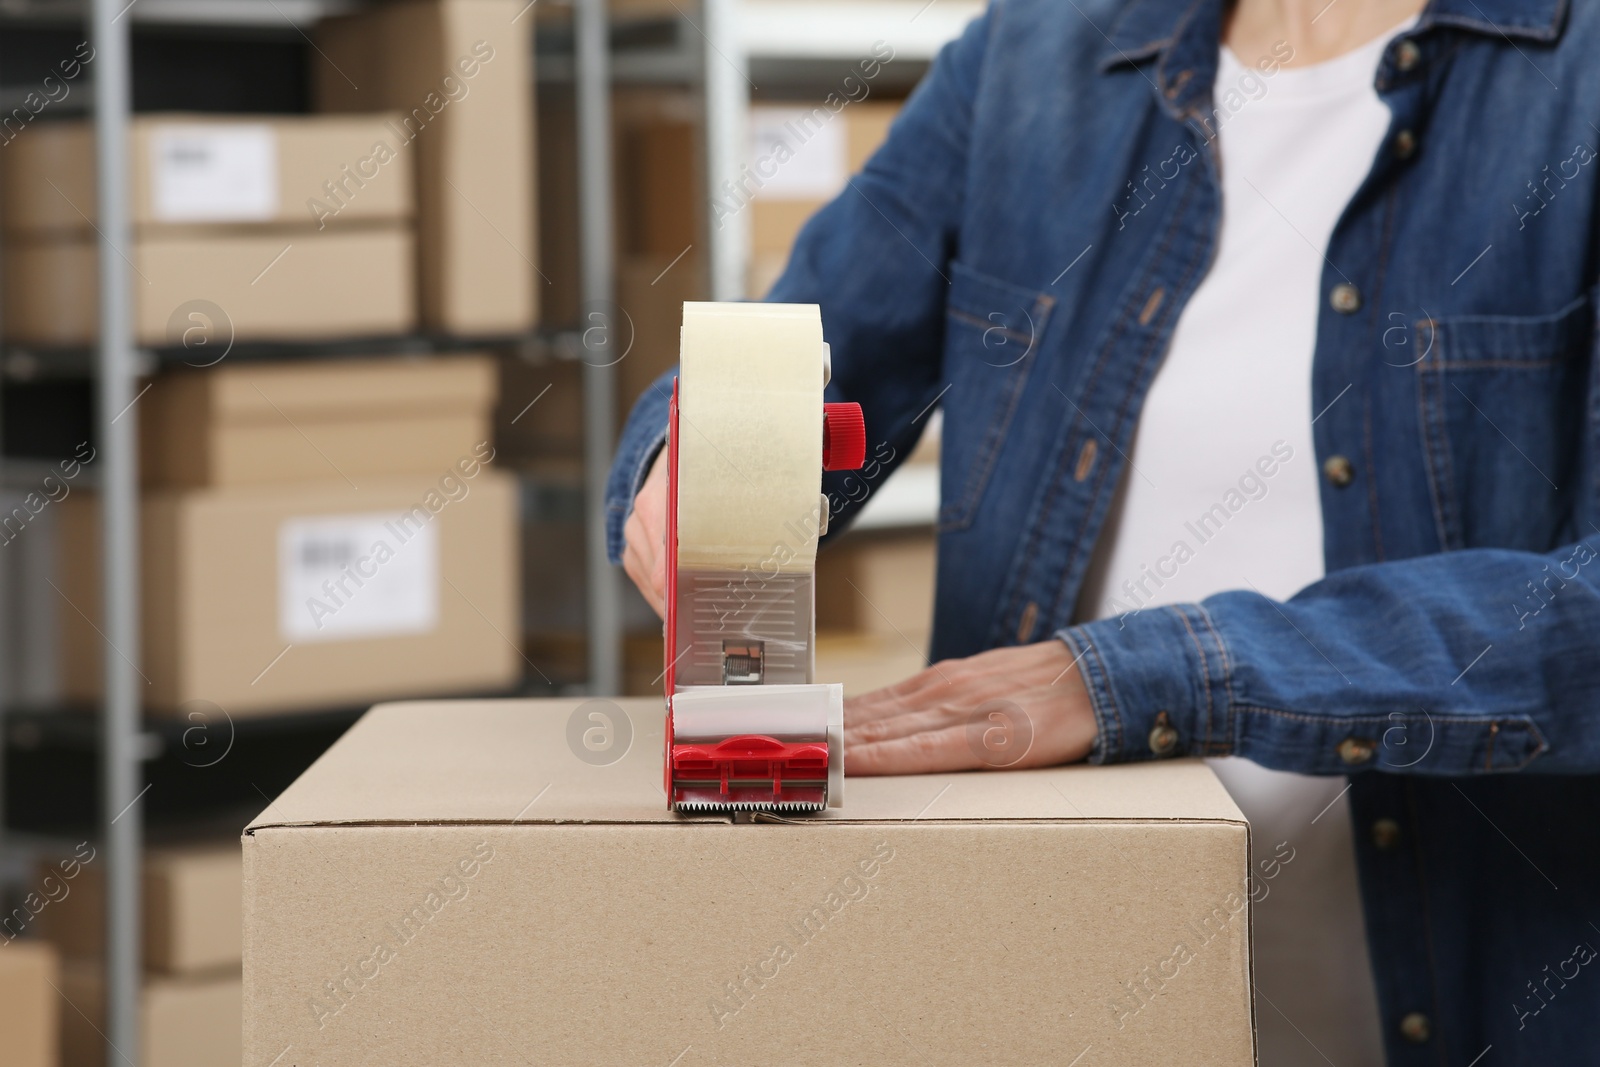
{"x":1019,"y":251}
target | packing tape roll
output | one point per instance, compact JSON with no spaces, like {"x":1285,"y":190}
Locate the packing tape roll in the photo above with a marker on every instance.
{"x":749,"y":437}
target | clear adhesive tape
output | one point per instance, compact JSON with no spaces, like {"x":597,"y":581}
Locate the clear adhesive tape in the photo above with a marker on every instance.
{"x":750,"y":382}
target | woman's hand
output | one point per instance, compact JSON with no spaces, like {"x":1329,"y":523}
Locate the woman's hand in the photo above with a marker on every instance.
{"x":644,"y":556}
{"x":1010,"y":707}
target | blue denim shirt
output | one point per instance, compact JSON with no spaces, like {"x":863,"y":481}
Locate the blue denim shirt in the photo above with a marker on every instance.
{"x":1019,"y":251}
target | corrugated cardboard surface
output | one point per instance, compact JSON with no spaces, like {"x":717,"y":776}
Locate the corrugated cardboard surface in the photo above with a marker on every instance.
{"x":473,"y":146}
{"x":256,"y":424}
{"x":183,"y":1022}
{"x":210,"y":598}
{"x":253,"y":284}
{"x":191,"y":910}
{"x":450,"y":883}
{"x":29,"y":1009}
{"x":47,"y":181}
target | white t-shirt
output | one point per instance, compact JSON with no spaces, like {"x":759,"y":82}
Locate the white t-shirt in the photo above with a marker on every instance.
{"x":1222,"y":493}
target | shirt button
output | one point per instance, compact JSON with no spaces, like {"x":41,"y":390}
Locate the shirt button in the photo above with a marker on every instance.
{"x":1385,"y":835}
{"x":1415,"y":1028}
{"x":1405,"y":144}
{"x":1163,"y":736}
{"x":1356,"y":750}
{"x":1340,"y":471}
{"x":1407,"y":55}
{"x":1345,"y":298}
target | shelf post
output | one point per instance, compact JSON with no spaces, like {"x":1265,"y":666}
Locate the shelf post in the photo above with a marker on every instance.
{"x":121,"y":768}
{"x":726,"y":85}
{"x":606,"y":332}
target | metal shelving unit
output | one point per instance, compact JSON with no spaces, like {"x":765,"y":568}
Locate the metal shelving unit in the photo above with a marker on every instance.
{"x":127,"y":748}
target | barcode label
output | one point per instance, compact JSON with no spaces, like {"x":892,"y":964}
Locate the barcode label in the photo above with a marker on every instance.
{"x":355,"y":576}
{"x":214,"y":173}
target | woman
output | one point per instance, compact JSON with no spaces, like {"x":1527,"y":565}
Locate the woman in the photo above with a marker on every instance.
{"x":1264,"y":338}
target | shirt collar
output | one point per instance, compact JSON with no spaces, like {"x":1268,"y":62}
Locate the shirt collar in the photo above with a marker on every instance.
{"x":1145,"y":28}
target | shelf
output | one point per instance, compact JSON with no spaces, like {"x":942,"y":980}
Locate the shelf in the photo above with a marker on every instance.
{"x":791,"y":47}
{"x":192,"y":770}
{"x":910,"y":498}
{"x":849,"y":29}
{"x":29,"y":362}
{"x":262,"y":14}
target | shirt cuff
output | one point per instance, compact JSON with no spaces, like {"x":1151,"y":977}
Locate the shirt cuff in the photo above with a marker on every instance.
{"x":1158,"y":682}
{"x":1163,"y":683}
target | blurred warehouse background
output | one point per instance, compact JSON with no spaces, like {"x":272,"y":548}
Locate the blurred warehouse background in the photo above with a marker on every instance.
{"x":378,"y":293}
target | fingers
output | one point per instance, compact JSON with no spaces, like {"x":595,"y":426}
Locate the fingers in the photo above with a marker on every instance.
{"x":921,"y":690}
{"x":645,"y":563}
{"x":658,"y":582}
{"x":931,"y":752}
{"x":645,"y":533}
{"x":874,"y":705}
{"x":892,"y":726}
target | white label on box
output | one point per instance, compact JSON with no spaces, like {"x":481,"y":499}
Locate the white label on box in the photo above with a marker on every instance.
{"x":797,"y":153}
{"x":214,"y":173}
{"x":344,"y":577}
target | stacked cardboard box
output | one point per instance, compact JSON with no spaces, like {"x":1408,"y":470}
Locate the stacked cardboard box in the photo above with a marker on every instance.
{"x":329,"y":420}
{"x":877,"y":583}
{"x":244,"y":228}
{"x":514,"y":884}
{"x":190,"y":1007}
{"x":190,"y":900}
{"x":874,"y":607}
{"x":183,"y":1021}
{"x":314,"y":534}
{"x":459,"y":73}
{"x":30,"y":1008}
{"x":809,"y":151}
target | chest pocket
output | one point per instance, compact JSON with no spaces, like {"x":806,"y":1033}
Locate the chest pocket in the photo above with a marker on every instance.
{"x":1502,"y":402}
{"x":992,"y":335}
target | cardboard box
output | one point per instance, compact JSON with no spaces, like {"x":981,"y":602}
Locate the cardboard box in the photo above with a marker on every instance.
{"x":878,"y":582}
{"x":191,"y":907}
{"x":658,"y":197}
{"x":648,"y":318}
{"x":460,"y":74}
{"x":540,"y":413}
{"x":652,"y":290}
{"x":564,"y":657}
{"x":560,"y":296}
{"x":255,"y":424}
{"x":451,"y":883}
{"x":205,"y":289}
{"x":183,"y":1022}
{"x":661,"y":188}
{"x":30,"y":1009}
{"x":248,"y":605}
{"x":187,"y":170}
{"x":810,"y":153}
{"x":30,"y":649}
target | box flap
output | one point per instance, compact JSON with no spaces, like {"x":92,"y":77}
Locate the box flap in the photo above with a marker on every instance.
{"x":504,"y":761}
{"x":385,"y":386}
